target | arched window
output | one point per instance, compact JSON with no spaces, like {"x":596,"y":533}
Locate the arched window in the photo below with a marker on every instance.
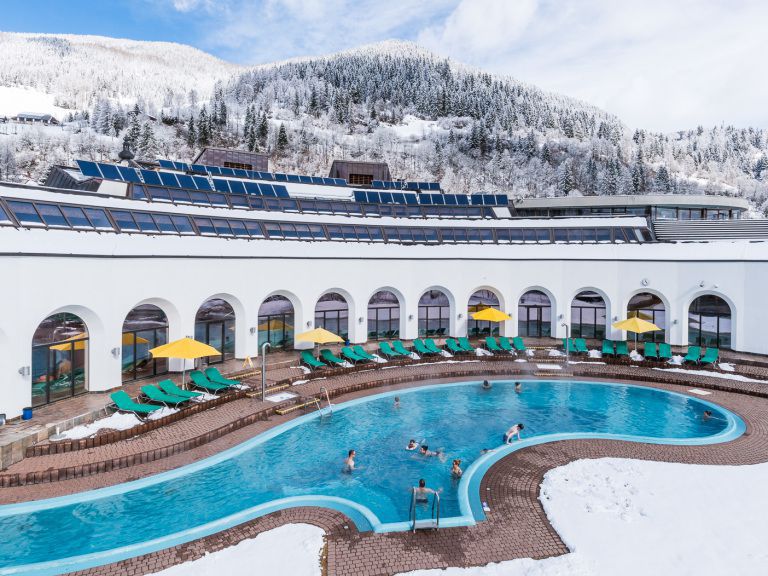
{"x":434,"y":314}
{"x":534,"y":314}
{"x":478,"y":301}
{"x":144,"y":328}
{"x":709,"y":322}
{"x":215,"y":325}
{"x":383,"y":316}
{"x":649,"y":307}
{"x":588,"y":315}
{"x":332,"y":313}
{"x":276,"y":322}
{"x":59,"y":359}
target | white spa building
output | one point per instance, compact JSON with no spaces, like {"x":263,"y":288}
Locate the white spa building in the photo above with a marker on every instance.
{"x":109,"y":260}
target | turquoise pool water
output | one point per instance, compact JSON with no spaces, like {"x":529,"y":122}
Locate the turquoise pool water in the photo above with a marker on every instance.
{"x":300,"y":463}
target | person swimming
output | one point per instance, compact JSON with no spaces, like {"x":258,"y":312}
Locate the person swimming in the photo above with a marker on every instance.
{"x":425,"y":451}
{"x":412,"y":445}
{"x":349,"y":462}
{"x":486,"y":385}
{"x":397,"y":401}
{"x":456,"y":471}
{"x":512,"y":433}
{"x":518,"y":387}
{"x":707,"y":415}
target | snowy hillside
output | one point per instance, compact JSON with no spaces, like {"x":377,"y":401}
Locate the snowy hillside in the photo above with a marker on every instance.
{"x":429,"y":118}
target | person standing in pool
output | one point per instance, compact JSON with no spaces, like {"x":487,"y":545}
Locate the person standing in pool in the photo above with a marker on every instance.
{"x":512,"y":433}
{"x":397,"y":402}
{"x":349,"y":462}
{"x":422,"y":492}
{"x":707,"y":415}
{"x":456,"y":471}
{"x":486,"y":385}
{"x":518,"y":387}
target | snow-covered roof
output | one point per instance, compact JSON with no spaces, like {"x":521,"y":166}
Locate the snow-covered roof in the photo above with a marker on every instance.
{"x":634,"y":201}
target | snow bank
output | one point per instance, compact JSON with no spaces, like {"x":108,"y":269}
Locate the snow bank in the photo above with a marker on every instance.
{"x":118,"y":421}
{"x":15,"y":99}
{"x":162,"y":413}
{"x":713,"y":374}
{"x":293,"y":550}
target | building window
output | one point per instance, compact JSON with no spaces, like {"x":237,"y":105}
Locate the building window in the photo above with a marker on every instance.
{"x":434,"y":314}
{"x":59,"y":359}
{"x":238,"y":165}
{"x":479,"y":301}
{"x":276,"y":322}
{"x":588,"y":316}
{"x":534,"y":315}
{"x":709,"y":322}
{"x":360,"y":179}
{"x":649,"y":307}
{"x":215,"y":325}
{"x":383,"y":316}
{"x":145,"y":327}
{"x":332,"y":313}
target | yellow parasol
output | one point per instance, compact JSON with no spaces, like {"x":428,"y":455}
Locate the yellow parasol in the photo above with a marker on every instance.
{"x":491,"y":315}
{"x":319,"y":336}
{"x":636,"y":325}
{"x":185,"y":349}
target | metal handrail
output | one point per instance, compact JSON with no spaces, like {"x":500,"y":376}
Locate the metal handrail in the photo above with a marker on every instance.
{"x":327,"y":398}
{"x":435,"y":510}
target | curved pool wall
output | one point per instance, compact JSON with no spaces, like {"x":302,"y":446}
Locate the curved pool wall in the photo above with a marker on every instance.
{"x":467,"y":492}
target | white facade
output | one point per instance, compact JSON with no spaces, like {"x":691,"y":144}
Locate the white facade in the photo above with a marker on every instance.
{"x":100,"y":277}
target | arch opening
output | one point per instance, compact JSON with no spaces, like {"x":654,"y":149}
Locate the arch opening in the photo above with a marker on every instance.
{"x":434,"y":313}
{"x":383,"y":316}
{"x":710,"y":322}
{"x":588,"y":315}
{"x":144,"y":328}
{"x":480,"y":300}
{"x":215,"y":325}
{"x":59,"y":358}
{"x":276,"y":322}
{"x":649,"y":306}
{"x":534,"y":315}
{"x":332,"y":313}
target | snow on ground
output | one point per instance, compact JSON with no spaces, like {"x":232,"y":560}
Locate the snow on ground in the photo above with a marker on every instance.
{"x":117,"y":421}
{"x":633,"y":518}
{"x":414,"y":128}
{"x":15,"y":99}
{"x":162,"y":413}
{"x":712,"y":374}
{"x":293,"y":550}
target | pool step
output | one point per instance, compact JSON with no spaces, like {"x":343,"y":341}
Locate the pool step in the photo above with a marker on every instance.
{"x":272,"y":390}
{"x":558,"y":373}
{"x":289,"y":409}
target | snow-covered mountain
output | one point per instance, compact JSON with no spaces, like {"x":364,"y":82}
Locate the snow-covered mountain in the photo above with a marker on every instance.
{"x":428,"y":117}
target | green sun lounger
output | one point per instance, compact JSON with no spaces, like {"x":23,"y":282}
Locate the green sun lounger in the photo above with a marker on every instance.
{"x":327,"y":356}
{"x":490,"y":343}
{"x":169,"y":387}
{"x":453,"y":346}
{"x":608,"y":348}
{"x":350,"y":355}
{"x":360,"y":351}
{"x":694,"y":353}
{"x":157,"y":395}
{"x":217,"y":377}
{"x":568,"y":345}
{"x":505,"y":344}
{"x":398,"y":346}
{"x":125,"y":403}
{"x":710,"y":356}
{"x":386,"y":349}
{"x":308,"y":359}
{"x":421,"y":348}
{"x":622,"y":349}
{"x":665,"y":351}
{"x":464,"y":343}
{"x":581,"y":345}
{"x":519,"y":344}
{"x":431,"y":346}
{"x":199,"y":380}
{"x":650,"y":351}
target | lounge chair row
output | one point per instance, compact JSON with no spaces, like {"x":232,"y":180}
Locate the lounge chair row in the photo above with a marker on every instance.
{"x":168,"y":394}
{"x":694,"y":356}
{"x":354,"y":354}
{"x":504,"y":344}
{"x":663,"y":351}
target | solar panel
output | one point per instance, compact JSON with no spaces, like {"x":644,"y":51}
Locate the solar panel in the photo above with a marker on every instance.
{"x":227,"y":171}
{"x":266,"y":189}
{"x":166,"y":164}
{"x":202,"y":183}
{"x":199,"y":168}
{"x":281,"y":191}
{"x":183,"y":166}
{"x":411,"y":199}
{"x":303,"y":179}
{"x":425,"y":199}
{"x":462,"y":199}
{"x":241,"y":173}
{"x":294,"y":178}
{"x":213,"y":170}
{"x":434,"y":186}
{"x":477,"y":200}
{"x":316,"y":180}
{"x":386,"y":197}
{"x":252,"y":188}
{"x":281,"y":177}
{"x":450,"y":199}
{"x":502,"y":200}
{"x":398,"y":197}
{"x":340,"y":181}
{"x":237,"y":187}
{"x":437,"y":199}
{"x":169,"y":179}
{"x":151,"y":177}
{"x":90,"y":169}
{"x":109,"y":171}
{"x":129,"y":174}
{"x":220,"y":185}
{"x":360,"y":196}
{"x":378,"y":184}
{"x":186,"y":181}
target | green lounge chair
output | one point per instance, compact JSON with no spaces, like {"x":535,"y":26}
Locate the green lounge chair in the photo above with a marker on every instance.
{"x":349,"y":353}
{"x":386,"y":349}
{"x":431,"y":346}
{"x":608,"y":348}
{"x":519,"y":344}
{"x":710,"y":356}
{"x":308,"y":359}
{"x":169,"y":387}
{"x":621,"y":349}
{"x":453,"y":346}
{"x":490,"y":343}
{"x":217,"y":377}
{"x":665,"y":351}
{"x":581,"y":345}
{"x":421,"y":348}
{"x":464,"y":343}
{"x":360,"y":351}
{"x":649,"y":350}
{"x":199,"y":380}
{"x":568,"y":345}
{"x":505,"y":344}
{"x":328,"y":357}
{"x":398,"y":346}
{"x":694,"y":353}
{"x":125,"y":403}
{"x":157,"y":395}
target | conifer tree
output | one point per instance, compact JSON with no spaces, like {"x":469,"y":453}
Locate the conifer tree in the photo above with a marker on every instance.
{"x":191,"y":132}
{"x":282,"y":140}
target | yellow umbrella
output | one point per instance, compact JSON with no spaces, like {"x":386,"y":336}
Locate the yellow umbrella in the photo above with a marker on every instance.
{"x":185,"y":349}
{"x":319,"y":336}
{"x":491,"y":315}
{"x":636,"y":325}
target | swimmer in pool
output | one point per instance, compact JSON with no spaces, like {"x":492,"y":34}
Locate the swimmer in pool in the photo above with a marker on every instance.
{"x":518,"y":387}
{"x":707,"y":415}
{"x":422,"y":492}
{"x":486,"y":385}
{"x":456,"y":471}
{"x":412,"y":445}
{"x":349,"y":462}
{"x":397,"y":401}
{"x":512,"y":433}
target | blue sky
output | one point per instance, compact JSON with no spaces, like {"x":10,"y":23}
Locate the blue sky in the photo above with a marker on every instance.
{"x":659,"y":64}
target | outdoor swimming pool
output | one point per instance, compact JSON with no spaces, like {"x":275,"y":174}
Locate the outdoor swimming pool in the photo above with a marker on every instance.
{"x":299,"y":463}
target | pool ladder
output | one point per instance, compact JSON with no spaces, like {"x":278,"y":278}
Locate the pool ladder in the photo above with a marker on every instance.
{"x":432,"y":523}
{"x":328,"y":411}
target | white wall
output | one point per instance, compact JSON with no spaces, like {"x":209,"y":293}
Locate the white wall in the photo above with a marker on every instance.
{"x":102,"y":288}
